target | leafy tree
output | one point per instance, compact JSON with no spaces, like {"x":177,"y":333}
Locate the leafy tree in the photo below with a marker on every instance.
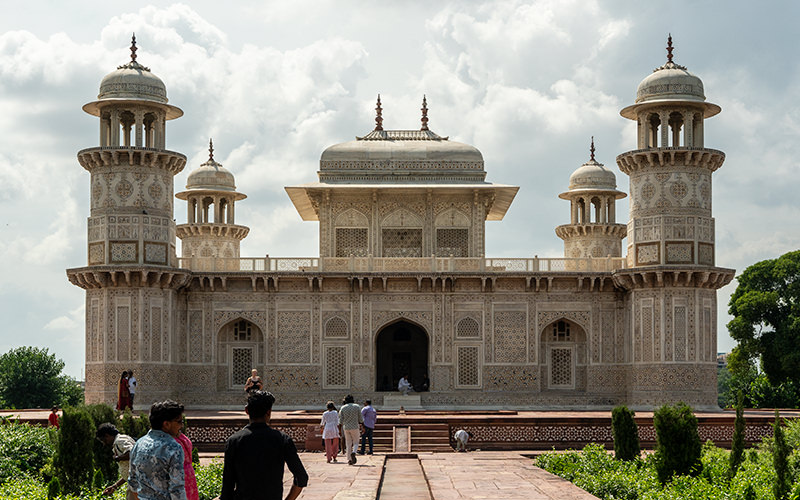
{"x":737,"y":444}
{"x":625,"y":432}
{"x":766,"y":316}
{"x":73,"y":459}
{"x":678,"y":447}
{"x":30,"y":377}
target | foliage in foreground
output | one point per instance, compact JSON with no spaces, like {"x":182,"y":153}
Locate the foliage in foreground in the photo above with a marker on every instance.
{"x":24,"y":449}
{"x":626,"y":433}
{"x":31,"y":377}
{"x":597,"y":472}
{"x":677,"y":442}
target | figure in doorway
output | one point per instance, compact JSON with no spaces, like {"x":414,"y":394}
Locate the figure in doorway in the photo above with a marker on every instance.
{"x":404,"y":386}
{"x":253,"y":383}
{"x":425,"y":385}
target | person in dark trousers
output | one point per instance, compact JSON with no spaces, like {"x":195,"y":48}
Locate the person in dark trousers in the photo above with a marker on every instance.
{"x":255,"y":457}
{"x":369,"y":415}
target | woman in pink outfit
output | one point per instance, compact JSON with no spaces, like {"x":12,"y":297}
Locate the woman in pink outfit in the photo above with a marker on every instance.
{"x":188,"y":470}
{"x":330,"y":431}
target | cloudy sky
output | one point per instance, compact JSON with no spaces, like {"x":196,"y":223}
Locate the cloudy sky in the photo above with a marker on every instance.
{"x":276,"y":82}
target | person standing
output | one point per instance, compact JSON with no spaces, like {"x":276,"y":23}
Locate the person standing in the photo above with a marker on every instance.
{"x":330,"y":431}
{"x":156,"y":471}
{"x":131,"y":386}
{"x":255,"y":457}
{"x":350,"y":418}
{"x":52,"y":419}
{"x":368,"y":416}
{"x":123,"y":393}
{"x":121,"y":446}
{"x":189,"y":479}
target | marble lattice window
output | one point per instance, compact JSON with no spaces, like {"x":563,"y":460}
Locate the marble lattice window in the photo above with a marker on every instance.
{"x":468,"y":375}
{"x":469,"y":328}
{"x":242,"y":331}
{"x":452,"y":241}
{"x":336,"y":327}
{"x":352,"y":241}
{"x":336,"y":366}
{"x":561,"y":367}
{"x":242,"y":358}
{"x":561,"y":331}
{"x":402,"y":243}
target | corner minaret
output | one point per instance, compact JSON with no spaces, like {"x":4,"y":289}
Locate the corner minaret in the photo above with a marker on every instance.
{"x":592,"y":231}
{"x":210,"y":232}
{"x":671,"y":279}
{"x":132,"y":276}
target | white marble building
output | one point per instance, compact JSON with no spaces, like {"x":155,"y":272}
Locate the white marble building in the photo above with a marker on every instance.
{"x":402,"y":283}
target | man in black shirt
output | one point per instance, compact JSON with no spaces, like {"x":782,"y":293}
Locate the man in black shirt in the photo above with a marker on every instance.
{"x":255,"y":455}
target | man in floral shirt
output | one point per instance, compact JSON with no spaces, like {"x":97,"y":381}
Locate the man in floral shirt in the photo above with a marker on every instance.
{"x":156,"y":470}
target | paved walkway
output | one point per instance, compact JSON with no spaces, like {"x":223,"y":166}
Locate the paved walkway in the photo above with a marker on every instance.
{"x":475,"y":475}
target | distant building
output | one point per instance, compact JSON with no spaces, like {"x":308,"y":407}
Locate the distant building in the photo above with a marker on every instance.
{"x":401,"y":283}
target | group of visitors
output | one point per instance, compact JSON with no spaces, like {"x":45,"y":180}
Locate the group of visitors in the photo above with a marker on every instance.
{"x":354,"y":422}
{"x":126,"y":391}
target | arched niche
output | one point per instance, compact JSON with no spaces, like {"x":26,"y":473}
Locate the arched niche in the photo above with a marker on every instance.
{"x":241,"y":349}
{"x":563,"y":348}
{"x":401,"y":347}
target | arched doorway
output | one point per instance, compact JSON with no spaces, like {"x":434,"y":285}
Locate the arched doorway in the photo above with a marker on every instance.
{"x":401,"y":348}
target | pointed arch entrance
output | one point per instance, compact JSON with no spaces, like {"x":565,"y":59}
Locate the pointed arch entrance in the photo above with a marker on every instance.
{"x":400,"y":348}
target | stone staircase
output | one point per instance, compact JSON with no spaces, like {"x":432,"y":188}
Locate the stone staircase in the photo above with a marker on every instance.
{"x":424,"y":437}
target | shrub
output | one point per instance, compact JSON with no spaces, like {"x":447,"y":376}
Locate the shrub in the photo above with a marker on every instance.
{"x":737,"y":444}
{"x":103,"y":456}
{"x":625,"y":432}
{"x":73,"y":459}
{"x":24,"y":449}
{"x":209,"y":480}
{"x":53,"y":489}
{"x":677,"y":442}
{"x":780,"y":454}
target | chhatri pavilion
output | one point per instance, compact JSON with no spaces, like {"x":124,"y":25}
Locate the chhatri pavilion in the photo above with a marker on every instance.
{"x":402,"y":284}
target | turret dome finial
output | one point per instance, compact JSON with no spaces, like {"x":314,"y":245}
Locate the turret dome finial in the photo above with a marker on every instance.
{"x":378,"y":117}
{"x":133,"y":48}
{"x":424,"y":113}
{"x":669,"y":48}
{"x":210,"y":150}
{"x":591,"y":150}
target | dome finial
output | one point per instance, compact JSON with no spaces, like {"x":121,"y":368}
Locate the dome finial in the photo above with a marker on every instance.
{"x":424,"y":113}
{"x":378,"y":117}
{"x":210,"y":150}
{"x":133,"y":48}
{"x":591,"y":150}
{"x":669,"y":48}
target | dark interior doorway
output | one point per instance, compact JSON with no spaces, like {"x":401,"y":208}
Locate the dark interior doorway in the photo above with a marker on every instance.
{"x":401,"y":349}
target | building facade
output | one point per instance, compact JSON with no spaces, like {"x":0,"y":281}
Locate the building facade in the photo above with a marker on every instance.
{"x":402,"y":284}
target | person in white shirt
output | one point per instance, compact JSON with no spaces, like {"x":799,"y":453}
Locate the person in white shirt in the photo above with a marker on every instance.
{"x":131,"y":386}
{"x":121,"y":446}
{"x":404,"y":386}
{"x":461,"y":436}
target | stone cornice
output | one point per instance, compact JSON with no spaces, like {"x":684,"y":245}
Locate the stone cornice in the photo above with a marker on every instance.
{"x":379,"y":281}
{"x":122,"y":276}
{"x":640,"y":159}
{"x":93,"y":158}
{"x":668,"y":276}
{"x":212,"y":229}
{"x":578,"y":230}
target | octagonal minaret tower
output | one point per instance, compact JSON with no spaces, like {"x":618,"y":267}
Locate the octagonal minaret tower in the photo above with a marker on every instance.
{"x":210,"y":232}
{"x":671,"y":278}
{"x":592,"y":230}
{"x":131,"y":278}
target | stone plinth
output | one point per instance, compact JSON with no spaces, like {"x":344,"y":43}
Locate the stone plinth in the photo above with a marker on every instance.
{"x":395,"y":401}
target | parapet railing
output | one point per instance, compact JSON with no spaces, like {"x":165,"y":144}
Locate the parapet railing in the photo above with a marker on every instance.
{"x":401,"y":264}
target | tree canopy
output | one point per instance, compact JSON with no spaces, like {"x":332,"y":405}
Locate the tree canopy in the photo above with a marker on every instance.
{"x":31,"y":377}
{"x":766,"y":317}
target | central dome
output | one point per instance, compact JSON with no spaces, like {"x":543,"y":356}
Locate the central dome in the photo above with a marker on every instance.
{"x":670,"y":82}
{"x":133,"y":81}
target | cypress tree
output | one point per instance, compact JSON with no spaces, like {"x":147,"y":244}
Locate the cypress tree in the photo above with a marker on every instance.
{"x":103,"y":456}
{"x":73,"y":458}
{"x":53,"y":489}
{"x":678,"y":444}
{"x":780,"y":453}
{"x":737,"y":445}
{"x":625,"y":433}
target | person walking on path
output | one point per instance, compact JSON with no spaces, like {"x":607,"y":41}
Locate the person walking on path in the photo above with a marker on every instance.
{"x":461,"y":436}
{"x":368,"y":416}
{"x":131,"y":387}
{"x":350,"y":418}
{"x":156,"y":471}
{"x":189,"y":479}
{"x":255,"y":457}
{"x":121,"y":446}
{"x":330,"y":431}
